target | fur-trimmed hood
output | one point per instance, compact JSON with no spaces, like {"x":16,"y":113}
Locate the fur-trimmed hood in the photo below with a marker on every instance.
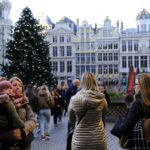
{"x":4,"y":98}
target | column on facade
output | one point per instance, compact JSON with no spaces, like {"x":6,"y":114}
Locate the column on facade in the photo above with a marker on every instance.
{"x":139,"y":63}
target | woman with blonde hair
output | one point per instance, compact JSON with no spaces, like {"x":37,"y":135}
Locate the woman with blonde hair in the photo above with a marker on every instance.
{"x":25,"y":136}
{"x":85,"y":114}
{"x":140,"y":109}
{"x":45,"y":104}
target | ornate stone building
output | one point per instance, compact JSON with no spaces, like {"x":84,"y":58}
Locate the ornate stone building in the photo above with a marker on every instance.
{"x":5,"y":27}
{"x":135,"y":46}
{"x":107,"y":51}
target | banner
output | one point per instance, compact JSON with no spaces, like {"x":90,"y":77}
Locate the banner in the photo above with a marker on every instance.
{"x":131,"y":78}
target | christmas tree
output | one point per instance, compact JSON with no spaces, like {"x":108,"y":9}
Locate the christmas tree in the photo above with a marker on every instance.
{"x":28,"y":53}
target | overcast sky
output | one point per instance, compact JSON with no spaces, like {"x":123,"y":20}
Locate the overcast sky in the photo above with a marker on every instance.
{"x":94,"y":11}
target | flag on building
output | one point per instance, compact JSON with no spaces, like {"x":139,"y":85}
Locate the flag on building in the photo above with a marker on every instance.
{"x":131,"y":80}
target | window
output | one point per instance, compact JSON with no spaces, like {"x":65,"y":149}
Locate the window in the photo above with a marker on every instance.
{"x":82,"y":69}
{"x":130,"y":45}
{"x":137,"y":28}
{"x":99,"y":69}
{"x":77,"y":58}
{"x":124,"y":62}
{"x":105,"y":71}
{"x":110,"y":45}
{"x":115,"y":45}
{"x":68,"y":38}
{"x":54,"y":39}
{"x":136,"y":45}
{"x":99,"y":45}
{"x":62,"y":52}
{"x":143,"y":61}
{"x":110,"y":57}
{"x":93,"y":58}
{"x":130,"y":61}
{"x":77,"y":70}
{"x":136,"y":61}
{"x":69,"y":66}
{"x":105,"y":57}
{"x":93,"y":69}
{"x":87,"y":68}
{"x":124,"y":46}
{"x":82,"y":58}
{"x":69,"y":51}
{"x":62,"y":39}
{"x":55,"y":66}
{"x":143,"y":27}
{"x":104,"y":45}
{"x":115,"y":69}
{"x":116,"y":56}
{"x":55,"y":54}
{"x":87,"y":58}
{"x":62,"y":66}
{"x":110,"y":69}
{"x":99,"y":56}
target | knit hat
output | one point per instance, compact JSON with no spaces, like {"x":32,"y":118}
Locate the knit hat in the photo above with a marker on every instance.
{"x":4,"y":85}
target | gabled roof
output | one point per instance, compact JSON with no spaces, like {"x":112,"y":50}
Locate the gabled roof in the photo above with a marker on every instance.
{"x":70,"y":22}
{"x":66,"y":20}
{"x":144,"y":14}
{"x":129,"y":31}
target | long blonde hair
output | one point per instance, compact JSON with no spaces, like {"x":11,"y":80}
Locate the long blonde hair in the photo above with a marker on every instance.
{"x":17,"y":79}
{"x":88,"y":82}
{"x":144,"y":83}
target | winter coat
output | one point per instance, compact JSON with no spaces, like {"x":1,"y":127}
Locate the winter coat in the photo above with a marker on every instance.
{"x":89,"y":134}
{"x":45,"y":100}
{"x":131,"y":123}
{"x":136,"y":112}
{"x":26,"y":114}
{"x":71,"y":91}
{"x":33,"y":100}
{"x":9,"y":118}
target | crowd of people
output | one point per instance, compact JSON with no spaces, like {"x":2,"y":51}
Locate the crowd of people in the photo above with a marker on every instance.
{"x":17,"y":120}
{"x":26,"y":108}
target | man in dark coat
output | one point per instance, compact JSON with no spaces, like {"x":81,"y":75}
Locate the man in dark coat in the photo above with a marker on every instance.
{"x":71,"y":91}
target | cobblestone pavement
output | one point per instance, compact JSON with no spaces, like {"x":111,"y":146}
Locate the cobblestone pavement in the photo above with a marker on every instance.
{"x":58,"y":140}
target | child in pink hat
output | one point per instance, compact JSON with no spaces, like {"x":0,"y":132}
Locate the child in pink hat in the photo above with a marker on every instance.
{"x":7,"y":109}
{"x":9,"y":118}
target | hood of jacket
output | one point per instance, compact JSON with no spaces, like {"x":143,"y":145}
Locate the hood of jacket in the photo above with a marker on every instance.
{"x":92,"y":99}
